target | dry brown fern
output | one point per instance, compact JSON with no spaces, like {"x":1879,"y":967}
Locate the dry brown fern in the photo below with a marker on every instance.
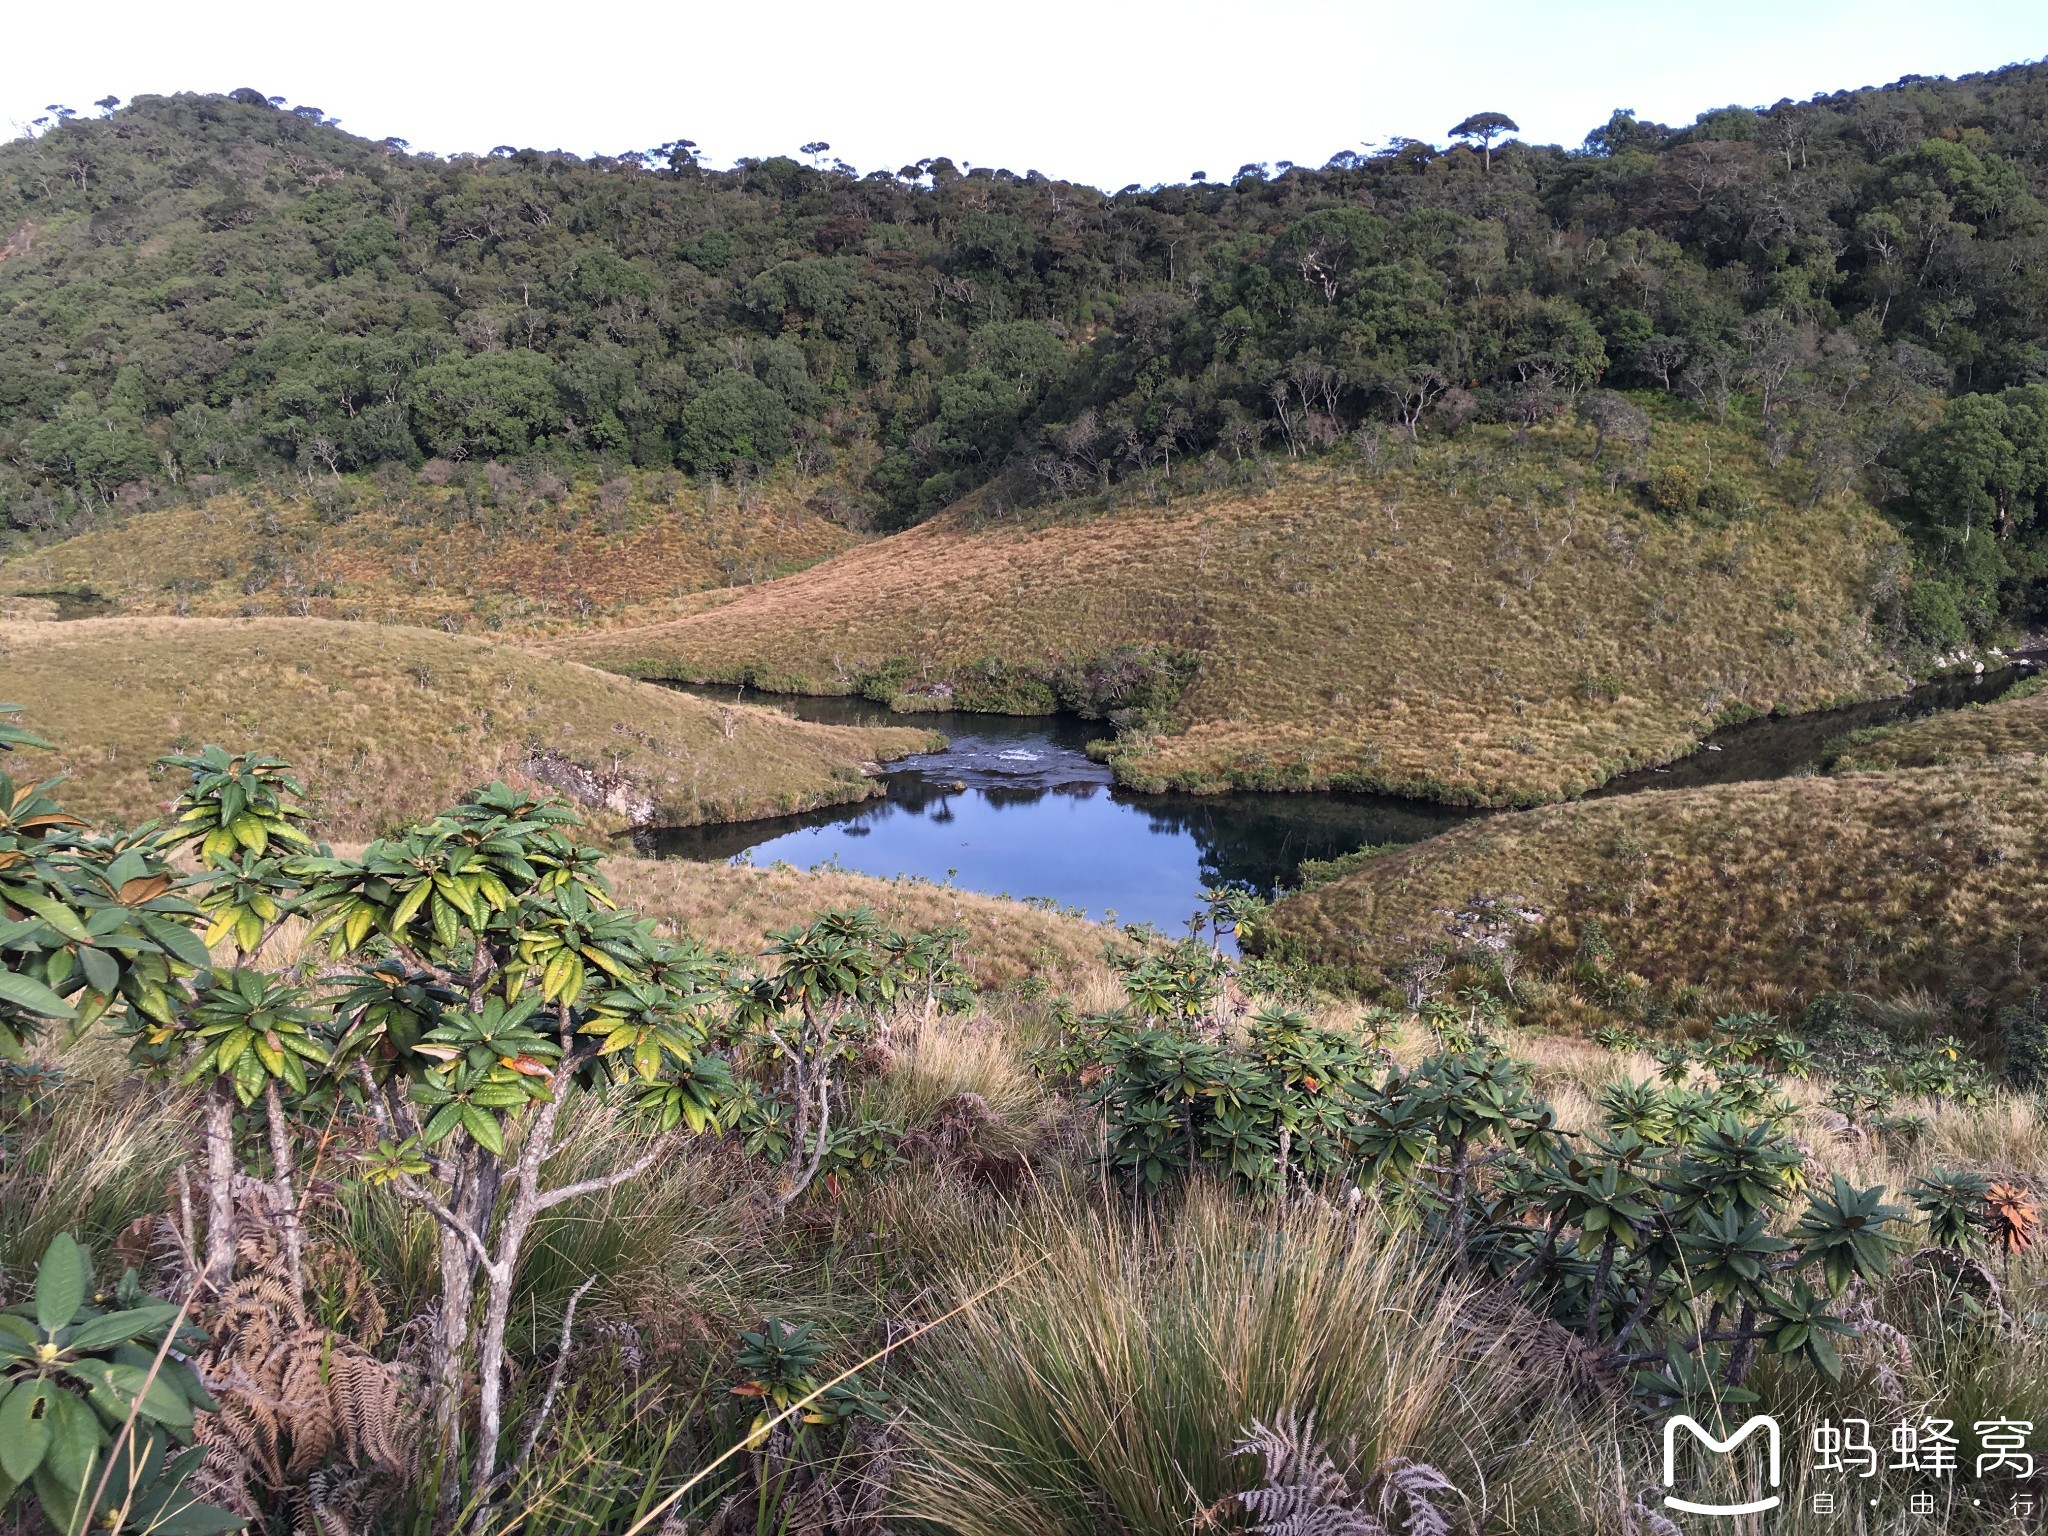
{"x":1305,"y":1490}
{"x":1875,"y":1344}
{"x":295,"y":1396}
{"x":152,"y":1242}
{"x":1534,"y":1353}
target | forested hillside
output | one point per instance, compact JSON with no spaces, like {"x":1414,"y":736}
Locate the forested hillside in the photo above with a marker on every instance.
{"x":196,"y":290}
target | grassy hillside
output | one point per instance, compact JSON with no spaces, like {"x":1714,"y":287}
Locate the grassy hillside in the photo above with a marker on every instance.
{"x":493,"y":550}
{"x":2015,"y":723}
{"x":390,"y":722}
{"x":1479,"y":622}
{"x":733,"y":906}
{"x":1765,"y":893}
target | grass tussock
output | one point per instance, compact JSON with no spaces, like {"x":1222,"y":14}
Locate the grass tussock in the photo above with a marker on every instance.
{"x":933,"y":1064}
{"x":115,"y":1166}
{"x":2013,"y":725}
{"x":501,"y":558}
{"x":1873,"y":883}
{"x":388,"y":723}
{"x":1108,"y":1387}
{"x":1470,"y":621}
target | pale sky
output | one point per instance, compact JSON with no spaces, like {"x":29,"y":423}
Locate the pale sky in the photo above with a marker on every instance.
{"x":1102,"y":91}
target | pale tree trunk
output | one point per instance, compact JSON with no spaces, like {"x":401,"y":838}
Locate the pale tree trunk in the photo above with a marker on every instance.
{"x":458,"y":1266}
{"x":219,"y":1134}
{"x":455,"y":1263}
{"x":475,"y":1181}
{"x":490,"y":1345}
{"x":799,"y":1182}
{"x":451,"y":1332}
{"x":528,"y":1202}
{"x":459,"y":1228}
{"x":281,"y":1164}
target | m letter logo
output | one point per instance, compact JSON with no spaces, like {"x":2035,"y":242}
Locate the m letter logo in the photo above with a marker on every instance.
{"x":1721,"y":1447}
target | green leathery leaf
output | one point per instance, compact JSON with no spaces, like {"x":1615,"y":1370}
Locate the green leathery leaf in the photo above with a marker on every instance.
{"x":24,"y":1430}
{"x":27,"y":992}
{"x":118,"y":1327}
{"x":60,"y":1283}
{"x":409,"y":908}
{"x":55,"y":913}
{"x":75,"y":1440}
{"x":441,"y":1122}
{"x":102,"y":972}
{"x":483,"y":1126}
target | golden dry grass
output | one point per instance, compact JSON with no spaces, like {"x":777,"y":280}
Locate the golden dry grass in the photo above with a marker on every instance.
{"x":1875,"y":883}
{"x":734,"y":906}
{"x":386,"y":722}
{"x":429,"y":558}
{"x":1481,"y":625}
{"x":936,"y":1060}
{"x":2016,"y":724}
{"x":1107,"y":1387}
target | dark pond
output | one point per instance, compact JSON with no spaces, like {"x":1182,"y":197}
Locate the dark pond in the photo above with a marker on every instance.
{"x":1015,"y":807}
{"x":76,"y":602}
{"x":1776,"y":747}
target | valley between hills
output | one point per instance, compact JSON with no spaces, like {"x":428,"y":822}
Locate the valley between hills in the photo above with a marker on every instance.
{"x":700,"y":850}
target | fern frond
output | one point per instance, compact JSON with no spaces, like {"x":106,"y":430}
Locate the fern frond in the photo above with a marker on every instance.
{"x":1416,"y":1485}
{"x":1306,"y":1492}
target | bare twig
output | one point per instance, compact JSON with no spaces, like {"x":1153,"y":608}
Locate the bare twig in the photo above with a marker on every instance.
{"x":632,"y":1170}
{"x":450,"y":1222}
{"x":547,"y":1401}
{"x":186,"y":1247}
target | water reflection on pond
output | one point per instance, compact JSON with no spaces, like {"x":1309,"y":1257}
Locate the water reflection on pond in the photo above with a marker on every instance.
{"x":1014,"y":806}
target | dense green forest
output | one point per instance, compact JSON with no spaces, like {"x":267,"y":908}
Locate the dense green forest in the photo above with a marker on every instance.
{"x":200,"y":288}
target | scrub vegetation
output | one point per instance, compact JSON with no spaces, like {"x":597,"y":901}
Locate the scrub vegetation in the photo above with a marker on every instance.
{"x":1005,"y":942}
{"x":496,"y":552}
{"x":1918,"y":888}
{"x":474,"y":1201}
{"x":201,"y":292}
{"x":2015,"y":724}
{"x":385,"y":1149}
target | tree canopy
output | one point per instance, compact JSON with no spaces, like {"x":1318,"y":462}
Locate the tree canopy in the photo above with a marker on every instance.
{"x":208,"y":285}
